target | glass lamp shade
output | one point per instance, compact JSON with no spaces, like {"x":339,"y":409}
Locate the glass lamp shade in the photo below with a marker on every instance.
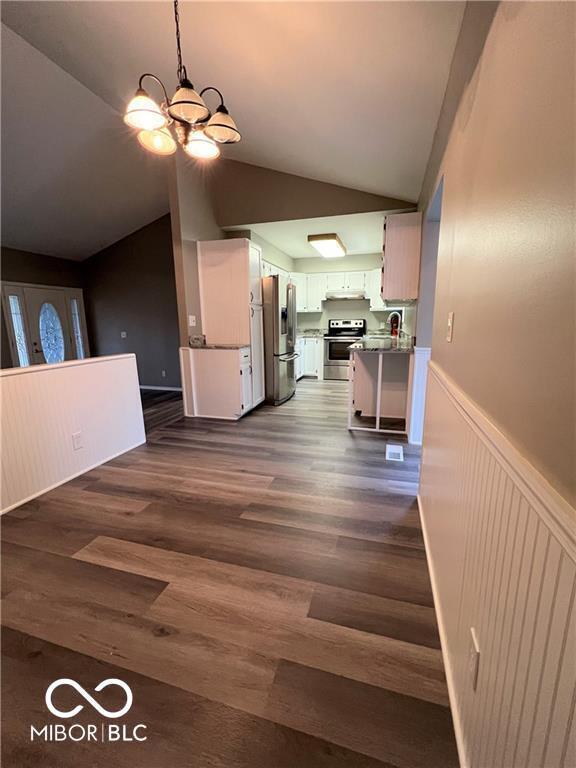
{"x":143,"y":113}
{"x":187,"y":105}
{"x":222,"y":128}
{"x":160,"y":141}
{"x":201,"y":146}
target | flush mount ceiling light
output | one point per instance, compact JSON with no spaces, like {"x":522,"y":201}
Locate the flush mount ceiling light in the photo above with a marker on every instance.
{"x":328,"y":246}
{"x":196,"y":129}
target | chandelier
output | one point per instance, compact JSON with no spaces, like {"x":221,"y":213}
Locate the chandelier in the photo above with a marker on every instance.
{"x":185,"y":119}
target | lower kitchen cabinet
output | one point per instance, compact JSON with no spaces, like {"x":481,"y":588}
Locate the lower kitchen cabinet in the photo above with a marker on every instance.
{"x":313,"y":357}
{"x":220,"y":382}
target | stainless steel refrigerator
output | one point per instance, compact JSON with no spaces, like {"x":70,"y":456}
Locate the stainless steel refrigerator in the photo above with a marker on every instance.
{"x":279,"y":338}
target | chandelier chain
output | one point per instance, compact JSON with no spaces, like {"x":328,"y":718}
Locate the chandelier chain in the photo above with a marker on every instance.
{"x":181,"y":72}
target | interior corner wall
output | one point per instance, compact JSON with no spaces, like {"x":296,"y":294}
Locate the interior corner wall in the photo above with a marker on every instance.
{"x":193,"y":219}
{"x":130,"y":287}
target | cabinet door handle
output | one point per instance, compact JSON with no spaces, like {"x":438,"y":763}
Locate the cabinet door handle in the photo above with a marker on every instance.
{"x":251,"y":311}
{"x":251,"y":296}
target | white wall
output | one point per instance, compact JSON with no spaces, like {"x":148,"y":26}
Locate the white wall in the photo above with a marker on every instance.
{"x":361,"y":261}
{"x":44,"y":405}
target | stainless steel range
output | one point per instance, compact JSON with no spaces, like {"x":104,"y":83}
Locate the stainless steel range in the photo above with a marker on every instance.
{"x":341,"y":333}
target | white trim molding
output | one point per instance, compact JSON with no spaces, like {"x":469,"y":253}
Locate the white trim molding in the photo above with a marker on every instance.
{"x":418,"y":394}
{"x":501,"y":545}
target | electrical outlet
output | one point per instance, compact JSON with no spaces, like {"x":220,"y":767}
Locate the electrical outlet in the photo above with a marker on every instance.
{"x":192,"y":321}
{"x":474,"y":659}
{"x":123,"y":334}
{"x":163,"y":373}
{"x":450,"y":327}
{"x":77,"y":443}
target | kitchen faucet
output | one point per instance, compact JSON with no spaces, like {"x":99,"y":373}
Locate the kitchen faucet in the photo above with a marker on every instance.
{"x":397,"y":325}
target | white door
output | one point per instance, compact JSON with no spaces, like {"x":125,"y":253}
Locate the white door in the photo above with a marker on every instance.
{"x":355,"y":281}
{"x":255,"y":275}
{"x":373,"y":290}
{"x":246,"y":385}
{"x":257,"y":345}
{"x":336,"y":281}
{"x":316,"y":292}
{"x":299,"y":362}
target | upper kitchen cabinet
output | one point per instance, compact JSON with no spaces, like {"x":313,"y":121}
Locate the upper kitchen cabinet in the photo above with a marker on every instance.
{"x":401,"y":260}
{"x":299,"y":280}
{"x":345,"y":281}
{"x":229,"y":273}
{"x":316,"y":291}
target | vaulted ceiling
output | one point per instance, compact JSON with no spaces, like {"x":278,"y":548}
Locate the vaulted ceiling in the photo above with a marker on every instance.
{"x":343,"y":92}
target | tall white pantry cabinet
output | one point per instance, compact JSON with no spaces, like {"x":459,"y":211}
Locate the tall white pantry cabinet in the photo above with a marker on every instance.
{"x":227,"y":376}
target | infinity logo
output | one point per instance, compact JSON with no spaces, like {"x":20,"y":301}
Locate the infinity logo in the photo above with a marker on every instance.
{"x":73,"y":684}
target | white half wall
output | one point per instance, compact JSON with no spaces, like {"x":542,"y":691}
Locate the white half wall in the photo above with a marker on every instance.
{"x":43,"y":406}
{"x":501,"y":546}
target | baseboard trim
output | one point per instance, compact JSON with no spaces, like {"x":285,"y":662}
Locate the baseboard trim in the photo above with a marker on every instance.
{"x":70,"y":477}
{"x":162,"y":389}
{"x":553,"y":509}
{"x":458,"y":730}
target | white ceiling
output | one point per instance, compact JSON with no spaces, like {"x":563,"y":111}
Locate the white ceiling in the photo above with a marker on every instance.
{"x":73,"y":180}
{"x":344,"y":92}
{"x":361,"y":233}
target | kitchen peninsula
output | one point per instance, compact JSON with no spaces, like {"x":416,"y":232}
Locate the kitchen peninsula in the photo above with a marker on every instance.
{"x":380,"y":385}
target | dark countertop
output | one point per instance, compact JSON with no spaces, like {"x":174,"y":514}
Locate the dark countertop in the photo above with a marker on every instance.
{"x":361,"y":346}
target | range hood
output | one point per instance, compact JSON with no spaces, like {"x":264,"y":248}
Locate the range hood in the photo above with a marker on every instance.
{"x":349,"y":294}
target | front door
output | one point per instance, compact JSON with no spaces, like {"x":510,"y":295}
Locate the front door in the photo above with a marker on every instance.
{"x":50,"y":332}
{"x":45,"y":324}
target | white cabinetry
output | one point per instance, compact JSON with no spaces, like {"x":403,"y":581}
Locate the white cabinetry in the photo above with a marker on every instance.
{"x":316,"y":292}
{"x":299,"y":280}
{"x":401,"y":260}
{"x":299,"y":362}
{"x":218,"y":383}
{"x":336,"y":281}
{"x":355,"y":281}
{"x":257,"y":354}
{"x":313,"y":357}
{"x":230,"y":278}
{"x":373,"y":290}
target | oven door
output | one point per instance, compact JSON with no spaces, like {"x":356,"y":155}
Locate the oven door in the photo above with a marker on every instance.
{"x":336,"y":351}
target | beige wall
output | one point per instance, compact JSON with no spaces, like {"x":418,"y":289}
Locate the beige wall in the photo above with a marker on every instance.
{"x":363,"y":261}
{"x":273,"y":255}
{"x":193,"y":219}
{"x":246,"y":194}
{"x":506,"y":252}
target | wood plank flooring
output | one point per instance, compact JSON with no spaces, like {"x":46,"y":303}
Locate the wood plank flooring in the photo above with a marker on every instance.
{"x":262,"y":586}
{"x":160,"y":406}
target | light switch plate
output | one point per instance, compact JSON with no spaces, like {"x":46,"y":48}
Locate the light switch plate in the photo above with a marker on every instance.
{"x":450,"y":327}
{"x":77,"y":443}
{"x":474,"y":659}
{"x":192,"y":321}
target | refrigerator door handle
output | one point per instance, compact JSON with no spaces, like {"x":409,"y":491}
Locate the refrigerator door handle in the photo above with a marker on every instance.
{"x":291,"y":301}
{"x":289,"y":358}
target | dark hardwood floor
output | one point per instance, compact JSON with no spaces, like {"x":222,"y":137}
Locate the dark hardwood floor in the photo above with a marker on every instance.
{"x":262,"y":586}
{"x":160,"y":407}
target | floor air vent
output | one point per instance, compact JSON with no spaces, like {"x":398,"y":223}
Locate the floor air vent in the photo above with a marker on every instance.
{"x":394,"y":452}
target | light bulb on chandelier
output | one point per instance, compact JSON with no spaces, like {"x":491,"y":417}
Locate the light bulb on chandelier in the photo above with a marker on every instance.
{"x":197,"y":130}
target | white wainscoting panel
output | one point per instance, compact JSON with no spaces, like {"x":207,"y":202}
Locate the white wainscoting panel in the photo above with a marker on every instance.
{"x":502,"y":550}
{"x":44,"y":405}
